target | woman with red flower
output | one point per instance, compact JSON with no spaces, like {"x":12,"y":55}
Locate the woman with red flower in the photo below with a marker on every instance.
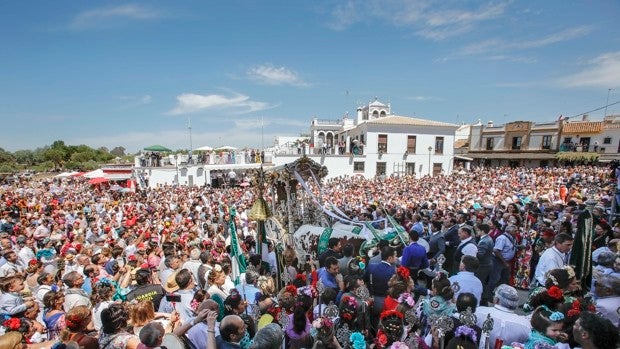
{"x":77,"y":320}
{"x":399,"y":283}
{"x":561,"y":286}
{"x":391,"y":328}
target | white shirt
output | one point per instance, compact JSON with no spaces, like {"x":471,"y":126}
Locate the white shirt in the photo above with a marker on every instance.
{"x":549,"y":260}
{"x":506,"y":325}
{"x":469,"y":249}
{"x":8,"y":269}
{"x":26,"y":255}
{"x":197,"y":335}
{"x":97,"y":314}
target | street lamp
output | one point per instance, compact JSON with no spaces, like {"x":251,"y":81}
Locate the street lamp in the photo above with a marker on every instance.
{"x":176,"y":164}
{"x":607,"y":103}
{"x":429,"y":160}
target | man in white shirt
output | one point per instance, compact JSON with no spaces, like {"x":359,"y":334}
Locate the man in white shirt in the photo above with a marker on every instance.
{"x":193,"y":263}
{"x":507,"y":325}
{"x":466,"y":280}
{"x":466,"y":247}
{"x":12,"y":265}
{"x":26,"y":252}
{"x":554,"y":258}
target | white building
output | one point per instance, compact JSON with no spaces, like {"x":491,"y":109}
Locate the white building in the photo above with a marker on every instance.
{"x":379,"y":143}
{"x":374,"y":143}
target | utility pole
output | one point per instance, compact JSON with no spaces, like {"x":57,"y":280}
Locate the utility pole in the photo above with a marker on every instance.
{"x":607,"y":102}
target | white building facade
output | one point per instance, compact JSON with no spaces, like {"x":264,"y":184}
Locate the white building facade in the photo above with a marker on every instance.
{"x":379,"y":143}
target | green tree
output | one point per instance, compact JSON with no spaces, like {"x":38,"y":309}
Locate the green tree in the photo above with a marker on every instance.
{"x":56,"y":156}
{"x":6,"y":157}
{"x":25,"y":157}
{"x":118,"y":151}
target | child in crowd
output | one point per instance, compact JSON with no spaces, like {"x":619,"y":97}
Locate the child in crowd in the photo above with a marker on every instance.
{"x":546,"y":328}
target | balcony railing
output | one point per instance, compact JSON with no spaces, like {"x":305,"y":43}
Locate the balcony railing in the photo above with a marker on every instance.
{"x":574,"y":147}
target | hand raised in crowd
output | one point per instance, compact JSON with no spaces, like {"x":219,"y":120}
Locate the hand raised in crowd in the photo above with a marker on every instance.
{"x":201,"y":316}
{"x":211,"y":319}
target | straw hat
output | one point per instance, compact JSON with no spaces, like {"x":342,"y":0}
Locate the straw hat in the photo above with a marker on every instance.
{"x":171,"y":284}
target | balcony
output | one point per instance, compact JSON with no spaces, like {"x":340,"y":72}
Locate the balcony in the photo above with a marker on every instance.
{"x":579,"y":148}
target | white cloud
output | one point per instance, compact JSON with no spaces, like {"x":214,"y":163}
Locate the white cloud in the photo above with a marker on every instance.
{"x":236,"y":103}
{"x":561,"y":36}
{"x":101,"y":16}
{"x":344,"y":15}
{"x":421,"y":98}
{"x":270,"y":75}
{"x":602,"y":71}
{"x":431,"y":20}
{"x":498,"y":49}
{"x":135,"y":101}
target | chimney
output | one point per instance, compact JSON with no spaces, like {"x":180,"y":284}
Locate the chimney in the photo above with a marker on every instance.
{"x":490,"y":123}
{"x":585,"y":117}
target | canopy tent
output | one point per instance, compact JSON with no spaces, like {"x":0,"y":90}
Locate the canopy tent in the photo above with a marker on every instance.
{"x":157,"y":147}
{"x":205,"y":148}
{"x":66,"y":174}
{"x":94,"y":174}
{"x":226,"y":147}
{"x":98,"y":180}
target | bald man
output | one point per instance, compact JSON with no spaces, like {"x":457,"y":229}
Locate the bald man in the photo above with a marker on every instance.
{"x":232,"y":332}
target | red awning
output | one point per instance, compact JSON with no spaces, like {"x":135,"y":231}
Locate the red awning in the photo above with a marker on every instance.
{"x":98,"y":180}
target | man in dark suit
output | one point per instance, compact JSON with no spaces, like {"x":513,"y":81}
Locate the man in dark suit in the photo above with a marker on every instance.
{"x":436,"y":242}
{"x":377,"y":276}
{"x":485,"y":257}
{"x":451,"y":237}
{"x":333,"y":250}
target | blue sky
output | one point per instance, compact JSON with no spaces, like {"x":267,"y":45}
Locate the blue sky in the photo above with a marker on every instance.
{"x":117,"y":73}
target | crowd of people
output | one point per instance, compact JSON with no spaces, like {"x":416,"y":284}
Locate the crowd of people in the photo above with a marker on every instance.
{"x":86,"y":267}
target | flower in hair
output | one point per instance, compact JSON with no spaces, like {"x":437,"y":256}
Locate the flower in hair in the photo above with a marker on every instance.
{"x":194,"y":305}
{"x":308,"y":291}
{"x":350,"y":301}
{"x":406,"y":298}
{"x":291,"y":289}
{"x":466,"y":331}
{"x":388,"y":313}
{"x":321,"y":322}
{"x":382,"y":338}
{"x":399,"y":345}
{"x":362,"y":265}
{"x":358,"y":340}
{"x":403,"y":272}
{"x":301,"y":277}
{"x":555,"y":292}
{"x":12,"y":324}
{"x":556,"y":316}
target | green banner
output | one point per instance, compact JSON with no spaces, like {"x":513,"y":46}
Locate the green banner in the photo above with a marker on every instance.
{"x":324,"y":240}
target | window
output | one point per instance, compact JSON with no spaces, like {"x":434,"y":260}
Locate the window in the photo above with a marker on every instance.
{"x":410,"y":168}
{"x":544,"y":163}
{"x":546,"y":142}
{"x":358,"y":166}
{"x":516,"y":143}
{"x":380,"y":168}
{"x":438,"y":145}
{"x":411,"y":140}
{"x":375,"y":114}
{"x":437,"y":167}
{"x":490,"y":143}
{"x":607,"y":140}
{"x":382,"y":144}
{"x":568,"y":140}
